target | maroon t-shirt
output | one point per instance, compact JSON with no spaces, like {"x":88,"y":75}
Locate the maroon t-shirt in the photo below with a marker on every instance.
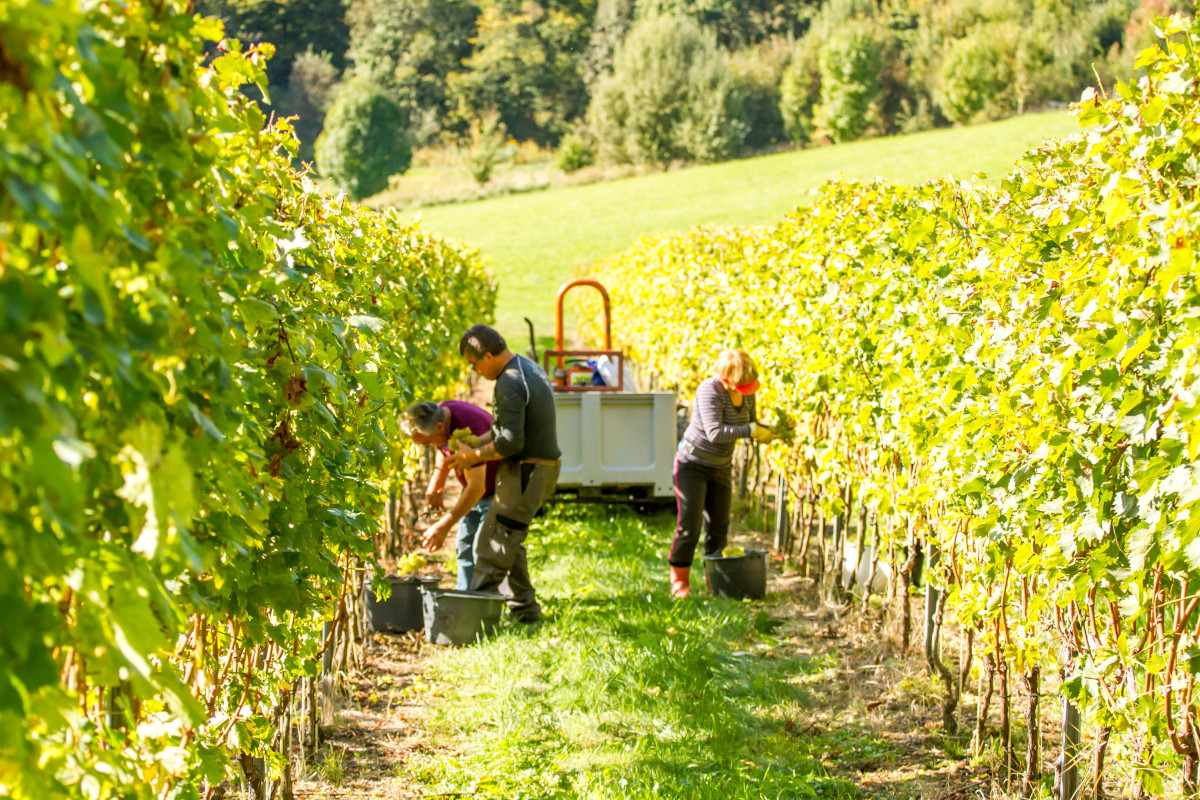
{"x":468,"y":415}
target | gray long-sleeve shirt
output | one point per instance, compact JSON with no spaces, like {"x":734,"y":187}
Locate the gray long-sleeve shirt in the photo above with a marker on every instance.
{"x":523,"y":407}
{"x":717,"y":423}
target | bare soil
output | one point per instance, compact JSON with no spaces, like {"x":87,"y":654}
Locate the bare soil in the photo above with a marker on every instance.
{"x":380,"y":726}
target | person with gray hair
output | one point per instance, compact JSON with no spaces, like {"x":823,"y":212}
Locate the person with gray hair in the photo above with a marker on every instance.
{"x":524,"y":442}
{"x":431,"y":425}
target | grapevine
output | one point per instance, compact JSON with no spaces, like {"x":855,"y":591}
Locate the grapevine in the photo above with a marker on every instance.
{"x":1006,"y":377}
{"x":196,"y":344}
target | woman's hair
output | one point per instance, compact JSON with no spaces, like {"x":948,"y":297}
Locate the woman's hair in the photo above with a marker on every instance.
{"x":423,"y":418}
{"x":737,"y":366}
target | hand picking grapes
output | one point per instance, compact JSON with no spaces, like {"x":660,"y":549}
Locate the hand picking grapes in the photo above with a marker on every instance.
{"x":453,"y":426}
{"x":783,"y":428}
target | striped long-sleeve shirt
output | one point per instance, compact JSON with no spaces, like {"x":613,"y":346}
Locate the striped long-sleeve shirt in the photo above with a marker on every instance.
{"x":717,"y":424}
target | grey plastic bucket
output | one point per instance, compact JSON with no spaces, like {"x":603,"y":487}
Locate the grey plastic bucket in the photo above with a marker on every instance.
{"x":403,"y":610}
{"x":738,"y":577}
{"x":457,"y":617}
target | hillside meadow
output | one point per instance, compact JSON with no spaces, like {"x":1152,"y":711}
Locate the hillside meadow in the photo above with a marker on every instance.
{"x":535,"y":241}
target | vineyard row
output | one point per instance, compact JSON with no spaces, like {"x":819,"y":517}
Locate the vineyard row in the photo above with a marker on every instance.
{"x":202,"y":358}
{"x":1005,"y":377}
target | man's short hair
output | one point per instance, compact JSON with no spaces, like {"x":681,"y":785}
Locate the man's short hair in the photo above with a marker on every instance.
{"x":422,"y":418}
{"x":481,"y":340}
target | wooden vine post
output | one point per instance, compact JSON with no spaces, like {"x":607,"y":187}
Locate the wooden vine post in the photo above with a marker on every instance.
{"x":839,"y":551}
{"x":935,"y":608}
{"x":1068,"y":771}
{"x":782,"y":520}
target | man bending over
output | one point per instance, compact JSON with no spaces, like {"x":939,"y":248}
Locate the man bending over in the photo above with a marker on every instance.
{"x":431,"y":425}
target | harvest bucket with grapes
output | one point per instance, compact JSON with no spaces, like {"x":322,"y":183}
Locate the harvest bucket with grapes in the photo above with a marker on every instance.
{"x":402,"y":611}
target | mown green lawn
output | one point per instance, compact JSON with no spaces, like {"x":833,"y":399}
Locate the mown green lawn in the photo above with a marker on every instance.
{"x":539,"y":239}
{"x":624,"y":693}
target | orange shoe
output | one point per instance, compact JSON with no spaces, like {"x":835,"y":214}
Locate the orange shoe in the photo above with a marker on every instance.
{"x":680,"y":585}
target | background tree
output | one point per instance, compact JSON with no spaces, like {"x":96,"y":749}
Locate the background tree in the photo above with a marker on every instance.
{"x":308,"y":96}
{"x":610,"y":25}
{"x":851,"y":70}
{"x":487,"y":146}
{"x":365,"y":139}
{"x":800,"y":89}
{"x":527,"y":66}
{"x":758,"y":73}
{"x":738,"y":23}
{"x":975,"y":81}
{"x":410,"y":48}
{"x":672,"y":95}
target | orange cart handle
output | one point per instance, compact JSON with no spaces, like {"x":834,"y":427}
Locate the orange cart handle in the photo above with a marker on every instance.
{"x":558,"y":320}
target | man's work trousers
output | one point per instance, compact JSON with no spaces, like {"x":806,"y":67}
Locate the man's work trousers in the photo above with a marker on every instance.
{"x":500,"y":561}
{"x":703,"y":494}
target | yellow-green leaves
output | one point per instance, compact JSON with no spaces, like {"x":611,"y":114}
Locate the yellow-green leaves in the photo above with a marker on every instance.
{"x":201,"y":360}
{"x":1028,"y":360}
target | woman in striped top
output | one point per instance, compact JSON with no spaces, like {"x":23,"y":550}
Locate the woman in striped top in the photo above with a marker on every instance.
{"x":722,"y":413}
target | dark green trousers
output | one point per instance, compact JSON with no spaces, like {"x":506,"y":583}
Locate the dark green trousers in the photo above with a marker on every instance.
{"x":500,"y":561}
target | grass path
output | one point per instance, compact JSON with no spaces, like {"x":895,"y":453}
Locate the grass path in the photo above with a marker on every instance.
{"x":623,"y":693}
{"x":537,"y":240}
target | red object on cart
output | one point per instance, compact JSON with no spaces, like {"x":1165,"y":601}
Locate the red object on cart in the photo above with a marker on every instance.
{"x":572,"y":363}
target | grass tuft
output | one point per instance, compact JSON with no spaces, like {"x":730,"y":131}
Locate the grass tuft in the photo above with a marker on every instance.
{"x":332,"y":769}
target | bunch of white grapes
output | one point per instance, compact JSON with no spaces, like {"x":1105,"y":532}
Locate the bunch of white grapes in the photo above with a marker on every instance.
{"x":733,"y":550}
{"x":464,"y":436}
{"x":784,"y":428}
{"x":410,"y":564}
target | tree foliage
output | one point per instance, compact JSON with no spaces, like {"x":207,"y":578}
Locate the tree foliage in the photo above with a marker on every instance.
{"x":880,"y":67}
{"x":758,"y":76}
{"x":672,"y":95}
{"x":799,"y":92}
{"x":526,"y":66}
{"x":365,"y":140}
{"x":976,"y":77}
{"x":410,"y":48}
{"x":851,"y":67}
{"x":737,"y":23}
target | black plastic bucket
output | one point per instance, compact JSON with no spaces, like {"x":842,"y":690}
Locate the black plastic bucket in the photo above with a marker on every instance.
{"x":403,"y":610}
{"x":738,"y":576}
{"x":457,"y":617}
